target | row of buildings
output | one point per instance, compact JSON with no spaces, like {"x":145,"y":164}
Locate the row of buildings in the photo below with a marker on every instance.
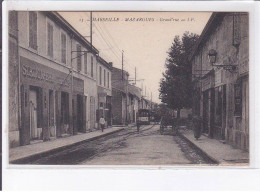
{"x":220,"y":68}
{"x":58,"y":84}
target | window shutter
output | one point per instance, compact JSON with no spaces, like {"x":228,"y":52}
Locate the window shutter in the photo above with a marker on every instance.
{"x":92,"y":67}
{"x":33,"y":29}
{"x":85,"y":63}
{"x":108,"y":79}
{"x":50,"y":40}
{"x":104,"y":77}
{"x":78,"y":58}
{"x":63,"y":48}
{"x":100,"y":76}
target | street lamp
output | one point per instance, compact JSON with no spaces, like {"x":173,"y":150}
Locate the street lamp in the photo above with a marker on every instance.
{"x":212,"y":55}
{"x":227,"y":62}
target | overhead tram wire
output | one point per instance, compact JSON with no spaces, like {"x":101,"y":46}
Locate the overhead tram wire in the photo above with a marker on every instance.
{"x":108,"y":43}
{"x":98,"y":28}
{"x":107,"y":32}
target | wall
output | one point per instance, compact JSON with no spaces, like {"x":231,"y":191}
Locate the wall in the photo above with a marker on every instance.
{"x":13,"y":80}
{"x":221,"y":40}
{"x":40,"y":56}
{"x":117,"y":107}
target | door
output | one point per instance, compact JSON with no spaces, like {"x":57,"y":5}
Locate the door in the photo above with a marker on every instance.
{"x":80,"y":113}
{"x":92,"y":112}
{"x":224,"y":113}
{"x":205,"y":112}
{"x":34,"y":132}
{"x":51,"y":114}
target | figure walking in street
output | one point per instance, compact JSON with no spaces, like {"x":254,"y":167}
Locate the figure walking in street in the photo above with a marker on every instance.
{"x":196,"y":121}
{"x":102,"y":123}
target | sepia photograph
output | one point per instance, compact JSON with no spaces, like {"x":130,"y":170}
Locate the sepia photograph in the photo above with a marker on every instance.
{"x":128,"y":88}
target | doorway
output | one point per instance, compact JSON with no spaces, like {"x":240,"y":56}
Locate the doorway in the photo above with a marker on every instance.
{"x":51,"y":115}
{"x":80,"y":113}
{"x":64,"y":112}
{"x":35,"y":113}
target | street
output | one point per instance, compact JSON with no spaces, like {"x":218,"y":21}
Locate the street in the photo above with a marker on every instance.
{"x":128,"y":147}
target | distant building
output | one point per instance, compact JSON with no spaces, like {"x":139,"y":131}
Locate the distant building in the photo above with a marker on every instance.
{"x":135,"y":98}
{"x":104,"y":89}
{"x":120,"y":97}
{"x":220,"y":68}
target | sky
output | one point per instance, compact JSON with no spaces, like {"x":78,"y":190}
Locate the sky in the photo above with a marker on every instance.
{"x":145,"y":38}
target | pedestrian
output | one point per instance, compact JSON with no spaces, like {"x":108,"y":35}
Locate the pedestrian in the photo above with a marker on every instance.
{"x":102,"y":123}
{"x":196,"y":126}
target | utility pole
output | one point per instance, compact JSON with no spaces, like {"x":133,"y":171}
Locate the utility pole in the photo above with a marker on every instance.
{"x":135,"y":75}
{"x":122,"y":65}
{"x":91,"y":29}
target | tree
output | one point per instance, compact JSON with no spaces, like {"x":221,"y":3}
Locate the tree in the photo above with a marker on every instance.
{"x":175,"y":86}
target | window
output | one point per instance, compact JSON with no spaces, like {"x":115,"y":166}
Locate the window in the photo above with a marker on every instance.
{"x":63,"y":48}
{"x":236,"y":29}
{"x":108,"y":79}
{"x":104,"y":77}
{"x":13,"y":21}
{"x":100,"y":75}
{"x":78,"y":57}
{"x":33,"y":30}
{"x":86,"y":63}
{"x":50,"y":40}
{"x":92,"y":67}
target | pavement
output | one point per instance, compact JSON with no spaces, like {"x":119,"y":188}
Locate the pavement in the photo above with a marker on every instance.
{"x":148,"y":147}
{"x":22,"y":153}
{"x":223,"y":154}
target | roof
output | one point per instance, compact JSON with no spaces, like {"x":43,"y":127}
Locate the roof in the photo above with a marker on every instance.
{"x":214,"y":21}
{"x":103,"y":62}
{"x":57,"y":17}
{"x":134,"y":91}
{"x":116,"y":70}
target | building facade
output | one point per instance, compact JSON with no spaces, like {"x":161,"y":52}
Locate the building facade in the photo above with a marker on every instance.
{"x":134,"y":98}
{"x":120,"y":97}
{"x":104,"y":89}
{"x":52,"y":77}
{"x":220,"y":68}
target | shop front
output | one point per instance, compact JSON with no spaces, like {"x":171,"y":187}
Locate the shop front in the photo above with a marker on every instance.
{"x":104,"y":105}
{"x":46,"y":103}
{"x":208,"y":100}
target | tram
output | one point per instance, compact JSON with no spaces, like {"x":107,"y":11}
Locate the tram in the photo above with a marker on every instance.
{"x":143,"y":117}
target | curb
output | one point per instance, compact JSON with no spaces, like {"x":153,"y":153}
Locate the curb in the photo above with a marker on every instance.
{"x":202,"y":152}
{"x":27,"y":159}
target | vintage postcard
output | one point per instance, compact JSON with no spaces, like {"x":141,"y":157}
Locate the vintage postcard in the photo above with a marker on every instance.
{"x":161,"y":88}
{"x":94,"y":93}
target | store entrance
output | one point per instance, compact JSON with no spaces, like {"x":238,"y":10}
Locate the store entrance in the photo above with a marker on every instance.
{"x":64,"y":113}
{"x":206,"y":112}
{"x":35,"y":113}
{"x":51,"y":114}
{"x":80,"y":113}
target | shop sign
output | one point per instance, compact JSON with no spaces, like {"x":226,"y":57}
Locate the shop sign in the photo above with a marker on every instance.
{"x":218,"y":77}
{"x":40,"y":74}
{"x":207,"y":83}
